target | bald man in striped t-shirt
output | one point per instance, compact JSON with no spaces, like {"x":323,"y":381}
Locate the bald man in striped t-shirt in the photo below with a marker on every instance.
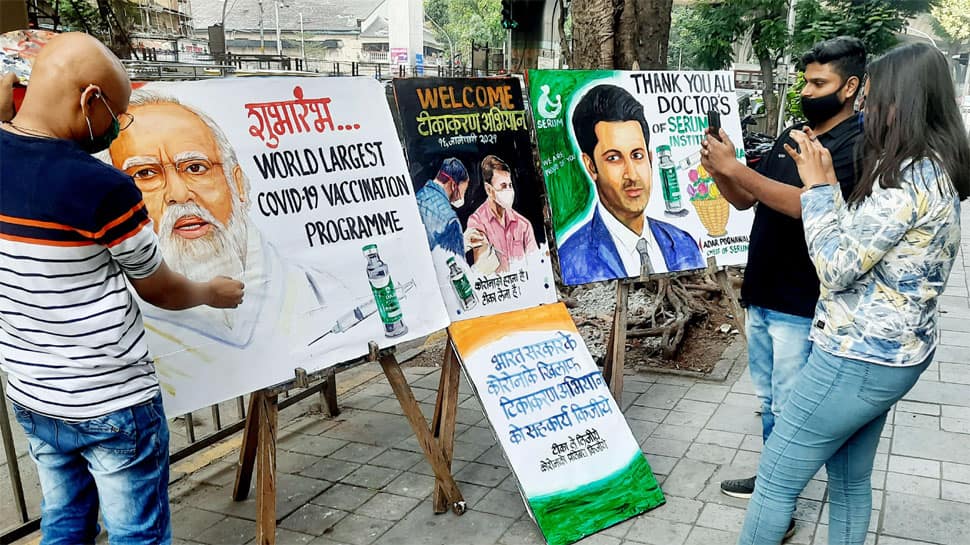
{"x":72,"y":343}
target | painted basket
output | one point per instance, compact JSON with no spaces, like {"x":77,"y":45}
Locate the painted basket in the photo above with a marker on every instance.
{"x":714,"y":215}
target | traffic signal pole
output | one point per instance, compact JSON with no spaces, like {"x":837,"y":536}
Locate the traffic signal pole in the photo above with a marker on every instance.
{"x":508,"y":51}
{"x":508,"y":23}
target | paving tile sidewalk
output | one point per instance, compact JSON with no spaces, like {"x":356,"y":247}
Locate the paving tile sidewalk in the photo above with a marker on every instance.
{"x":360,"y":479}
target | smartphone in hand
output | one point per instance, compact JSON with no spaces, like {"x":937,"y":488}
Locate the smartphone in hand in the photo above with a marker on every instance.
{"x":714,"y":123}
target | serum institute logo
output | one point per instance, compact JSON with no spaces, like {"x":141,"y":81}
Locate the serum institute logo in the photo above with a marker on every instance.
{"x":549,"y":110}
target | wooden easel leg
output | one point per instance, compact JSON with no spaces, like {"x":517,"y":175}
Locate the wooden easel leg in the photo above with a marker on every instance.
{"x":616,"y":348}
{"x":392,"y":370}
{"x":247,"y":452}
{"x":443,"y":425}
{"x":329,"y":394}
{"x":266,"y":472}
{"x":725,"y":283}
{"x":608,"y":355}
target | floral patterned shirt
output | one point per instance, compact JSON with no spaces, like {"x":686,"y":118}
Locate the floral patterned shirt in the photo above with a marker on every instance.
{"x":882,"y":264}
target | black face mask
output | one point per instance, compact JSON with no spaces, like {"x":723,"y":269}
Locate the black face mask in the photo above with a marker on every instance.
{"x":821,"y":109}
{"x":96,"y":144}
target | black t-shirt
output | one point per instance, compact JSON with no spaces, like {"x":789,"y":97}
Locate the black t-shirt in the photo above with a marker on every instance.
{"x":779,"y":275}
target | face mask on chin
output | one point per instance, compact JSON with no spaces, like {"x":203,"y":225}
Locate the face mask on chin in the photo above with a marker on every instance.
{"x":459,"y":202}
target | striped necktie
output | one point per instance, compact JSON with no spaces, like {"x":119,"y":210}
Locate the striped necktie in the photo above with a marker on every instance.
{"x":645,"y":266}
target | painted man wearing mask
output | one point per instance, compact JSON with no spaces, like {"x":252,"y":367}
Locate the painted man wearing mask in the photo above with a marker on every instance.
{"x":781,"y":287}
{"x":437,"y":201}
{"x":495,"y":230}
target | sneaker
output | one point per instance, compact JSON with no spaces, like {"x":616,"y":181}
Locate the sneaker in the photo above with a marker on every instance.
{"x":791,"y":530}
{"x":738,"y":488}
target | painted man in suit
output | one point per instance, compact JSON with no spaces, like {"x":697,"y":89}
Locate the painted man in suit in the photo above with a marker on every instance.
{"x":619,"y":240}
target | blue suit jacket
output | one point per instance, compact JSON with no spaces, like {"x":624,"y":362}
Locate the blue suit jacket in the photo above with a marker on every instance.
{"x":590,"y":255}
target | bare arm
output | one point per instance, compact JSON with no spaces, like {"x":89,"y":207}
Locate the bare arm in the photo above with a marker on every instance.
{"x":738,"y":182}
{"x":736,"y":194}
{"x":170,"y":290}
{"x":778,"y":196}
{"x":127,"y":232}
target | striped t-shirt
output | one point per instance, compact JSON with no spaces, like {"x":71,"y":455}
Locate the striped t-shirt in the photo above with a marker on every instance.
{"x":71,"y":227}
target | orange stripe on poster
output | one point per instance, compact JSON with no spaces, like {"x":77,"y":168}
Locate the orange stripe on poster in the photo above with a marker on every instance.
{"x":472,"y":335}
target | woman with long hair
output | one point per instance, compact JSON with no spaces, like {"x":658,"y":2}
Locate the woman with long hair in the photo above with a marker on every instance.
{"x":883,"y":259}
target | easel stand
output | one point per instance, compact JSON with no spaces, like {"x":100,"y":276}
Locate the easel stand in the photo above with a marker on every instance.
{"x":615,"y":358}
{"x":438,"y":442}
{"x":443,"y":422}
{"x":258,"y":449}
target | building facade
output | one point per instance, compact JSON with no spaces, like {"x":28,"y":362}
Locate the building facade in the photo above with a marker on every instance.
{"x":322,"y":31}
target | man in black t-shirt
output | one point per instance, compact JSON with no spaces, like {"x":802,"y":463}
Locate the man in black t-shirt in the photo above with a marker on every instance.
{"x":780,"y":287}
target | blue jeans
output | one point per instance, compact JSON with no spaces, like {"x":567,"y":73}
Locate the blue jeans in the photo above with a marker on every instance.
{"x":118,"y":461}
{"x":835,"y":416}
{"x":778,"y":348}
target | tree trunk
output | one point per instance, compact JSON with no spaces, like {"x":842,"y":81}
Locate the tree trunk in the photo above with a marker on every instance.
{"x":594,"y":30}
{"x":627,"y":37}
{"x":565,"y":52}
{"x":768,"y":93}
{"x":622,"y":34}
{"x":653,"y":22}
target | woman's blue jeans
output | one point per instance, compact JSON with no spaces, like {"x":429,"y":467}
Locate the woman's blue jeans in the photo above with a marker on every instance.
{"x":834,"y":416}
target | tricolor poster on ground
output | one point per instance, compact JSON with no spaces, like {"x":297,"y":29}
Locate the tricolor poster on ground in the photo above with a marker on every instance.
{"x":297,"y":187}
{"x":470,"y":154}
{"x":621,"y":157}
{"x":579,"y":467}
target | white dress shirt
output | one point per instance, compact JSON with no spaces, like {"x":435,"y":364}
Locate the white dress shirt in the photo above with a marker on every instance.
{"x":626,"y":240}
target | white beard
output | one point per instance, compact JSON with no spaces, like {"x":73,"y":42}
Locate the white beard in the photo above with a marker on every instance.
{"x":222,"y":252}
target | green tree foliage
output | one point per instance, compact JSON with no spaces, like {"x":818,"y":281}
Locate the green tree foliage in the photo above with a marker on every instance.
{"x":466,"y":21}
{"x":793,"y":98}
{"x":714,"y":28}
{"x":953,"y":17}
{"x":106,"y":20}
{"x":685,"y":46}
{"x":875,"y":22}
{"x":708,"y":32}
{"x":79,"y":15}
